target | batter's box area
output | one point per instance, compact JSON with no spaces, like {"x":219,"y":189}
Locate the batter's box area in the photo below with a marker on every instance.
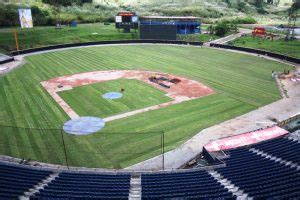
{"x":138,"y":91}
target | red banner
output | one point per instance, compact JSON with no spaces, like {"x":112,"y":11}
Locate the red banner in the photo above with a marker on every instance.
{"x":245,"y":139}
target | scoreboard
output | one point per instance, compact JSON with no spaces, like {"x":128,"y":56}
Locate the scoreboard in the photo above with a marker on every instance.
{"x":127,"y":21}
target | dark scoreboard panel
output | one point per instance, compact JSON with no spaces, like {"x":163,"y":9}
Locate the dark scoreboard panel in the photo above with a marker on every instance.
{"x":127,"y":20}
{"x":160,"y":32}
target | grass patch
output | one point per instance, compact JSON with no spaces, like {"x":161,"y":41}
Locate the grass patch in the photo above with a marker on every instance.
{"x":87,"y":100}
{"x":290,"y":48}
{"x":49,"y":35}
{"x":44,"y":36}
{"x":242,"y":83}
{"x":198,"y":37}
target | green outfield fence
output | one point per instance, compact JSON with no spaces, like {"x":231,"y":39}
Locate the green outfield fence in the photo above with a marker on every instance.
{"x":70,"y":45}
{"x":99,"y":150}
{"x":258,"y":51}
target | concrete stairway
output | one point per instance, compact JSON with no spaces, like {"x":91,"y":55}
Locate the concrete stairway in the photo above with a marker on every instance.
{"x":275,"y":159}
{"x":295,"y":136}
{"x":230,"y":186}
{"x":38,"y":186}
{"x":135,"y":192}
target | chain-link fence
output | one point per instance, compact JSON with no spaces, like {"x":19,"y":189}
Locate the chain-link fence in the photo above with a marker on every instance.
{"x":98,"y":150}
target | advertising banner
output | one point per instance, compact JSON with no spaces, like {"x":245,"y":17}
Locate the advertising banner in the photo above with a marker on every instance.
{"x":245,"y":139}
{"x":25,"y":18}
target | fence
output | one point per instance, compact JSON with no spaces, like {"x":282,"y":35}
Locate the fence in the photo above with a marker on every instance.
{"x":257,"y":51}
{"x":179,"y":42}
{"x":61,"y":46}
{"x":292,"y":124}
{"x":5,"y":59}
{"x":99,"y":150}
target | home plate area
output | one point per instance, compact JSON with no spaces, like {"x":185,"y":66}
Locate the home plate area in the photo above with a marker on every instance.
{"x":177,"y":88}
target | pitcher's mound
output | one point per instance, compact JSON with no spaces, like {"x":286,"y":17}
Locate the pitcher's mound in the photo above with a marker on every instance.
{"x":113,"y":95}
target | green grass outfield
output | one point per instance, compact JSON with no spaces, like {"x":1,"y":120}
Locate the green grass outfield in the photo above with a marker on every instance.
{"x":49,"y":35}
{"x":242,"y":83}
{"x":290,"y":48}
{"x":137,"y":95}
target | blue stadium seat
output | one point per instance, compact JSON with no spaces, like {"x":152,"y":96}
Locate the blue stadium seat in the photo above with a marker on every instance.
{"x":87,"y":186}
{"x":283,"y":148}
{"x":193,"y":184}
{"x":17,"y":179}
{"x":258,"y":176}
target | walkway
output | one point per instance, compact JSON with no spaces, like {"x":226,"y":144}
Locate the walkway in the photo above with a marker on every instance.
{"x":8,"y":67}
{"x":229,"y":37}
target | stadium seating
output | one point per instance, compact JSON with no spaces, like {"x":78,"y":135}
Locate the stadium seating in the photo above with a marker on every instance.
{"x":87,"y":185}
{"x":196,"y":184}
{"x":253,"y":174}
{"x":260,"y":177}
{"x":283,"y":148}
{"x":15,"y":180}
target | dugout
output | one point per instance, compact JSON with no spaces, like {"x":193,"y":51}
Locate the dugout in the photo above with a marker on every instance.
{"x":159,"y":24}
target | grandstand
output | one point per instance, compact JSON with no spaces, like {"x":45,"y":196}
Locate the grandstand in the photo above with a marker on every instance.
{"x":163,"y":112}
{"x":260,"y":171}
{"x":258,"y":164}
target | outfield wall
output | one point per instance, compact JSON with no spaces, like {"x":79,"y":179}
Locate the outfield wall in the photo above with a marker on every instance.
{"x":244,"y":49}
{"x":258,"y":51}
{"x":61,"y":46}
{"x":5,"y":59}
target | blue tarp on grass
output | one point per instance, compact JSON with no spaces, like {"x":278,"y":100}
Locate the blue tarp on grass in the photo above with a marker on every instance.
{"x":112,"y":95}
{"x":84,"y":125}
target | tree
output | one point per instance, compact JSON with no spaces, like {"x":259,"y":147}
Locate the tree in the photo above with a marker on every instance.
{"x":234,"y":27}
{"x":40,"y":17}
{"x":66,"y":2}
{"x":295,"y":6}
{"x":210,"y":29}
{"x":259,"y":4}
{"x":221,"y":29}
{"x":293,"y":12}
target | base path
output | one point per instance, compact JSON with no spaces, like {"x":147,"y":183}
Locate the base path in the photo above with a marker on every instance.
{"x":184,"y":90}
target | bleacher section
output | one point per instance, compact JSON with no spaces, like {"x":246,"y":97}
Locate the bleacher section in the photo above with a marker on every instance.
{"x":15,"y":180}
{"x":92,"y":186}
{"x":275,"y":173}
{"x":284,"y":148}
{"x":259,"y":176}
{"x":191,"y":185}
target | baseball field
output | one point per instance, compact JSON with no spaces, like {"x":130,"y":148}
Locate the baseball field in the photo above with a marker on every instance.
{"x":241,"y":83}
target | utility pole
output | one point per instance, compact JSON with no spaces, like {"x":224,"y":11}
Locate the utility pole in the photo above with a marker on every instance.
{"x":64,"y":145}
{"x":163,"y":149}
